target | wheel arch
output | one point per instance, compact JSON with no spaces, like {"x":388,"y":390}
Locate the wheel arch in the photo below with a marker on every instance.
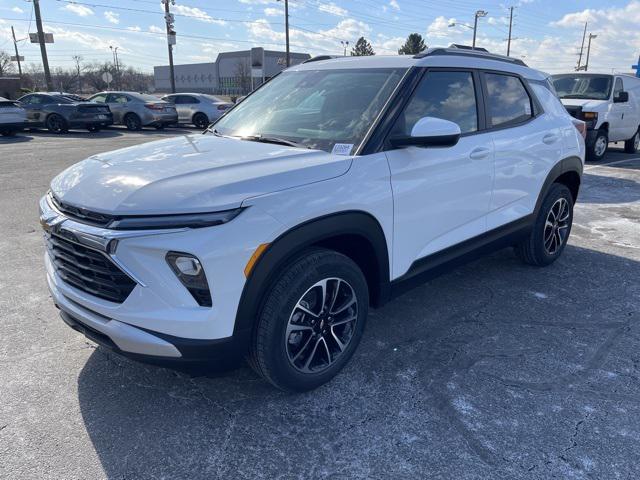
{"x":568,"y":171}
{"x":356,"y":234}
{"x":604,"y":126}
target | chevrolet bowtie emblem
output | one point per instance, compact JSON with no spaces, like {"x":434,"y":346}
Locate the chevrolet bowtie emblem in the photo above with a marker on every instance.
{"x":51,"y":223}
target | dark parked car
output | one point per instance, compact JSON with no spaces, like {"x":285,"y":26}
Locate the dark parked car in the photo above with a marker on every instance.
{"x":59,"y":112}
{"x":137,"y":110}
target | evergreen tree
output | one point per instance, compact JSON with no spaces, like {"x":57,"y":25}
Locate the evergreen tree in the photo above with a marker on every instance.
{"x":362,"y":48}
{"x":413,"y":45}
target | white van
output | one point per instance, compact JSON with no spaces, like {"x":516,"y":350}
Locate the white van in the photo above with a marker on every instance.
{"x":609,"y":104}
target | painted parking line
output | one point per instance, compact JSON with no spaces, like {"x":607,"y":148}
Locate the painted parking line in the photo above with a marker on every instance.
{"x":617,"y":162}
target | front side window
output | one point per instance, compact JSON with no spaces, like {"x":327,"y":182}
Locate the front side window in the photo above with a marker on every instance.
{"x":594,"y":87}
{"x":100,"y":98}
{"x":446,"y":95}
{"x":508,"y":102}
{"x":316,"y":108}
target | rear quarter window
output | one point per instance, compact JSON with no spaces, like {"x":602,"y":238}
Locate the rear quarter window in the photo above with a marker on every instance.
{"x":549,"y":101}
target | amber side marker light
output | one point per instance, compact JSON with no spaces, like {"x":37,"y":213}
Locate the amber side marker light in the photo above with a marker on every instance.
{"x":254,"y":258}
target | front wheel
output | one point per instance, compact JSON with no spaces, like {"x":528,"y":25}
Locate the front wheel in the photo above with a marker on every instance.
{"x":596,"y":151}
{"x":633,"y":144}
{"x":200,"y":120}
{"x":132,"y":122}
{"x":312,"y":321}
{"x":551,"y":229}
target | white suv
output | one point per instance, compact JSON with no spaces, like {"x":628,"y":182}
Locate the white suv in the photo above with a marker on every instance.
{"x":334,"y":187}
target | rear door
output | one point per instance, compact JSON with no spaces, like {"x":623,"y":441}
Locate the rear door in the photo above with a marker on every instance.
{"x":185,"y":106}
{"x":118,"y":104}
{"x":34,"y":105}
{"x":528,"y":143}
{"x":441,"y":195}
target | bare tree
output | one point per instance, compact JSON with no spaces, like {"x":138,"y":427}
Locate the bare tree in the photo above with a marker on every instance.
{"x":243,"y":76}
{"x":6,"y":65}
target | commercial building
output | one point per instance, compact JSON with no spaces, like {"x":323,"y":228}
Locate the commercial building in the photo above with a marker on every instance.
{"x":233,"y":73}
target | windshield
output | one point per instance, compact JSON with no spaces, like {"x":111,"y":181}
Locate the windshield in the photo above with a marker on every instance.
{"x":595,"y":87}
{"x":315,"y":108}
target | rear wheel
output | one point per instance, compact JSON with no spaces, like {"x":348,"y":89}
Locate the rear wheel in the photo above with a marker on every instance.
{"x":551,"y":229}
{"x":312,"y":321}
{"x":56,"y":123}
{"x":633,"y":144}
{"x":200,"y":120}
{"x":596,"y":151}
{"x":132,"y":122}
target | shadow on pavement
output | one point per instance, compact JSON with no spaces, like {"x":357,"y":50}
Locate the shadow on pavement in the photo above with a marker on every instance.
{"x":604,"y":189}
{"x":481,"y":373}
{"x":18,"y":138}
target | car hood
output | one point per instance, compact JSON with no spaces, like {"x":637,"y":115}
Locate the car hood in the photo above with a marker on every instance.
{"x":190,"y":173}
{"x":585,"y":103}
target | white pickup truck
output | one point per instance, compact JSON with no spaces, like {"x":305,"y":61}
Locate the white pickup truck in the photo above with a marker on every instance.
{"x":609,"y":104}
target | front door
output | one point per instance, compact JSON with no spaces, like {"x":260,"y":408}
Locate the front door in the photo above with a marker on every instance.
{"x":441,"y":194}
{"x":118,"y":105}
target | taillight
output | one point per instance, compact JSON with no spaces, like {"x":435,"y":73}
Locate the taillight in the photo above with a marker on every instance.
{"x":581,"y":127}
{"x":222,"y":107}
{"x":154,"y":106}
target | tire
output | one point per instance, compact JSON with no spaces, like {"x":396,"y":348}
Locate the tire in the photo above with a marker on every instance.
{"x":93,"y":128}
{"x":596,"y":152}
{"x":633,"y":144}
{"x":132,"y":122}
{"x":200,"y":120}
{"x":56,"y":124}
{"x":292,"y":344}
{"x":554,"y":220}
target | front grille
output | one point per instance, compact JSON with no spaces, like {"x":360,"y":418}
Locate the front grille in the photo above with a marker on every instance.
{"x":575,"y":112}
{"x":82,"y":214}
{"x":88,"y":270}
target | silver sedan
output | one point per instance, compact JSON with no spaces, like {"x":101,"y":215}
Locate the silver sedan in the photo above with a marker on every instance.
{"x":198,"y":109}
{"x":137,"y":110}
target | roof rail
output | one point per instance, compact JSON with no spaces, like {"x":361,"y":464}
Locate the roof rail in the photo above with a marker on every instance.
{"x":463,"y":52}
{"x":321,"y":57}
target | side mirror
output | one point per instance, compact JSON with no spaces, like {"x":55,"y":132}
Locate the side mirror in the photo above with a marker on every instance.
{"x":430,"y":132}
{"x":622,"y":97}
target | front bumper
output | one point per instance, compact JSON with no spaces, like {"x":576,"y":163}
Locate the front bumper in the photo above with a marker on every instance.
{"x":160,"y":319}
{"x":160,"y":119}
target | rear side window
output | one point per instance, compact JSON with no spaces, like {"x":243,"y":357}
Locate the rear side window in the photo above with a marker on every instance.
{"x":446,"y":95}
{"x":508,"y":102}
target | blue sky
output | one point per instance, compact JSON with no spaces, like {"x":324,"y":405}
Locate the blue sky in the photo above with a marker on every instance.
{"x":547,"y":32}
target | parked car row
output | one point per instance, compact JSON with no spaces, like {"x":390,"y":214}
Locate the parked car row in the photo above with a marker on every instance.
{"x":59,"y":112}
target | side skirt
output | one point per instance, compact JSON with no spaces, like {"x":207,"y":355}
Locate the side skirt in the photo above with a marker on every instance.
{"x":427,"y":268}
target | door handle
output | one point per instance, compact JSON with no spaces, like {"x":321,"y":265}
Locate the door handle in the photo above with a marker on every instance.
{"x":479,"y":153}
{"x":550,"y":138}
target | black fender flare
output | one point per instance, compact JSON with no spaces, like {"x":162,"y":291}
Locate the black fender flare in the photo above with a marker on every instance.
{"x":569,"y":164}
{"x":292,"y":242}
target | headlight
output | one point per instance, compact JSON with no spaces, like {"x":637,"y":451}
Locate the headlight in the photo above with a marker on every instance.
{"x":191,"y":220}
{"x":189,"y":271}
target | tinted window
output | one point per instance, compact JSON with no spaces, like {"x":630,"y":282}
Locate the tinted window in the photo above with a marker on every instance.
{"x":169,"y":99}
{"x":27,"y":100}
{"x":447,"y":95}
{"x":186,"y":99}
{"x":508,"y":102}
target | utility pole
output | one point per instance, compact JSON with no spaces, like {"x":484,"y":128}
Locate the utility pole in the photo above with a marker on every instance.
{"x":591,"y":36}
{"x":584,"y":35}
{"x":479,"y":13}
{"x":15,"y":45}
{"x":43,"y":48}
{"x":510,"y":25}
{"x":286,"y":31}
{"x":171,"y":36}
{"x":116,"y":65}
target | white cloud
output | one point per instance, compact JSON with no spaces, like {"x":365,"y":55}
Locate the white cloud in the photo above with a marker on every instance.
{"x":197,"y":14}
{"x":112,"y":17}
{"x":439,"y":28}
{"x":156,"y":29}
{"x":17,"y":10}
{"x":134,"y":28}
{"x":273,"y":12}
{"x":333,"y":9}
{"x":394,"y":4}
{"x":79,"y":10}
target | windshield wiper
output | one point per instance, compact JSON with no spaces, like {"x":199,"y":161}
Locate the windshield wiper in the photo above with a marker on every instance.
{"x":577,"y":95}
{"x":276,"y":140}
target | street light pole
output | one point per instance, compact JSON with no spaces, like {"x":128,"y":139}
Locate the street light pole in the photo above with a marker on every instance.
{"x":170,"y":34}
{"x":591,"y":36}
{"x":479,"y":13}
{"x":345,"y":44}
{"x":584,"y":34}
{"x":510,"y":26}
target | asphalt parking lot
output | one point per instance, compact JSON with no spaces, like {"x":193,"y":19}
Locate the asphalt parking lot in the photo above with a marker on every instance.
{"x":495,"y":370}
